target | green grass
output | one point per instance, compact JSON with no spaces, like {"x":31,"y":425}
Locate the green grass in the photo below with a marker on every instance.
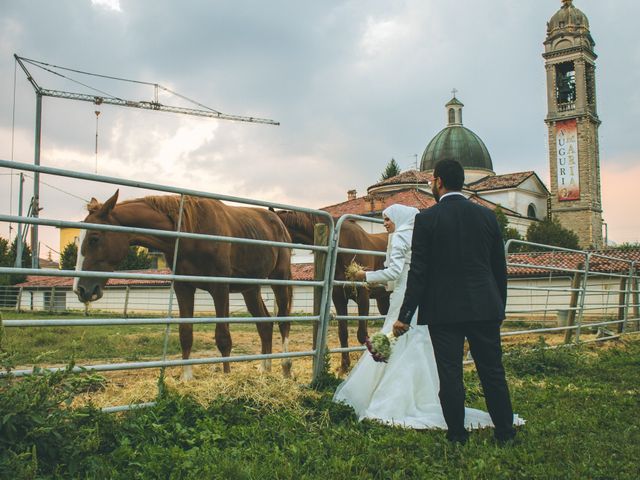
{"x":581,"y":407}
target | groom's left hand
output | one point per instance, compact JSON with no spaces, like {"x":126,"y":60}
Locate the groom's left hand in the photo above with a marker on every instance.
{"x":400,"y":328}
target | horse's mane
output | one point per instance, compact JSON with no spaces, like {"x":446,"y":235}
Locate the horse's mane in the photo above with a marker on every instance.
{"x":170,"y":205}
{"x":300,"y":221}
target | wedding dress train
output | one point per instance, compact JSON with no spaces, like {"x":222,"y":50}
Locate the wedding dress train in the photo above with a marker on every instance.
{"x":404,"y":391}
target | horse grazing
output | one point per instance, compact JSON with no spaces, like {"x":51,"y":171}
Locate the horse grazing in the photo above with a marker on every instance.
{"x":102,"y":251}
{"x":352,"y":235}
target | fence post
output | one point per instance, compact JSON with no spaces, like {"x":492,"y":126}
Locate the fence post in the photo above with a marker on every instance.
{"x":636,"y":298}
{"x":126,"y":301}
{"x":583,"y":294}
{"x":622,"y":304}
{"x":320,"y":237}
{"x":19,"y":300}
{"x":573,"y":303}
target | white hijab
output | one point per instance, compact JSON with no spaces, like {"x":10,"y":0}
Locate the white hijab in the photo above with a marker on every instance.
{"x":402,"y":216}
{"x":399,"y":246}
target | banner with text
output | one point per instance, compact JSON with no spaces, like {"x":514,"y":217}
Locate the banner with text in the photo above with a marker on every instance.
{"x":567,"y":156}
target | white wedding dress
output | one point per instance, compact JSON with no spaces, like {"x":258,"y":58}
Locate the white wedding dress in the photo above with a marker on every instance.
{"x":404,"y":391}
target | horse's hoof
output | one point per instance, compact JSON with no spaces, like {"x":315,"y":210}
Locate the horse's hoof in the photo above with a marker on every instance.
{"x":187,"y":374}
{"x":286,"y":369}
{"x":265,"y":366}
{"x":362,"y":337}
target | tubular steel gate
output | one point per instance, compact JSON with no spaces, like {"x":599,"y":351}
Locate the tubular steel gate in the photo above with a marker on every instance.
{"x":323,"y":284}
{"x":587,"y":295}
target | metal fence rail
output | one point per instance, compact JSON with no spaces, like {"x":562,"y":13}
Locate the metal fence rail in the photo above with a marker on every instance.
{"x":178,"y":235}
{"x":577,"y":298}
{"x":582,"y":307}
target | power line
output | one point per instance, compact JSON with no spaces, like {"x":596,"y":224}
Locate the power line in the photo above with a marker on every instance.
{"x":59,"y":189}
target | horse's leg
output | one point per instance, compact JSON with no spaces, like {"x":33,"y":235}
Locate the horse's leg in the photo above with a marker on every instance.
{"x":220,"y":294}
{"x":283,"y":296}
{"x":185,"y":294}
{"x":340,"y":301}
{"x":257,"y":308}
{"x":363,"y":311}
{"x":383,"y":303}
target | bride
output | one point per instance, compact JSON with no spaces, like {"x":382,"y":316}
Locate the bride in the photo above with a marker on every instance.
{"x":404,"y":391}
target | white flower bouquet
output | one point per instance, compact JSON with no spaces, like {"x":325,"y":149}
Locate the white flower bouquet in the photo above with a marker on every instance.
{"x":380,"y":345}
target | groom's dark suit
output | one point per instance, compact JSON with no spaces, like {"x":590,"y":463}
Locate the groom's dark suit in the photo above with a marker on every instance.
{"x":458,"y":279}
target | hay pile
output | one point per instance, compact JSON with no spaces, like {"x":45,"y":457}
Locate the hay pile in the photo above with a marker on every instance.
{"x":270,"y":390}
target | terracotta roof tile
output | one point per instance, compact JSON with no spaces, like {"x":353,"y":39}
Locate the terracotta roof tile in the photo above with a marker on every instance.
{"x":601,"y":262}
{"x":374,"y":204}
{"x":304,"y":271}
{"x":495,"y":182}
{"x":409,"y":176}
{"x":299,"y":271}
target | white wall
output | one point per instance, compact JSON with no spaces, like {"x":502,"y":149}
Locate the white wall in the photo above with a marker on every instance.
{"x":155,"y":300}
{"x":602,"y":299}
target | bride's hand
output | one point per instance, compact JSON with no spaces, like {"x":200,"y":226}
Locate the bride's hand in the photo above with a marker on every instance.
{"x":360,"y":276}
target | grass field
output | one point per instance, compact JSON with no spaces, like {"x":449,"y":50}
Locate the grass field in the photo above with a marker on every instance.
{"x":581,"y":407}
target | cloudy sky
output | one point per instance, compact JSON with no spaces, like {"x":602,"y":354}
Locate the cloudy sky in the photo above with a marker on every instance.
{"x":353,"y":84}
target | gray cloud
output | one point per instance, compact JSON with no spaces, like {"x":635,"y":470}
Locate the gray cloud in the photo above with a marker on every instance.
{"x":353,"y":84}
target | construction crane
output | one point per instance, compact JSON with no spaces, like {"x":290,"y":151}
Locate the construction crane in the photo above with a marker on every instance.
{"x":99,"y":99}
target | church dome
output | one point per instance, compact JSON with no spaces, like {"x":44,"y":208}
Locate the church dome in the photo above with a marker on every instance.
{"x":567,"y":18}
{"x":457,"y":142}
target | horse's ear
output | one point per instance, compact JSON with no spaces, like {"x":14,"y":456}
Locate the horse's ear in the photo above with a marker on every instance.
{"x":94,"y":205}
{"x":107,"y":206}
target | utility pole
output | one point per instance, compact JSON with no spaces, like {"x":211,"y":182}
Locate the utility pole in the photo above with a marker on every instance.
{"x":18,"y":261}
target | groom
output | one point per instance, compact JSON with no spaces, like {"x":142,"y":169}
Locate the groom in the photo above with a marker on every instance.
{"x":458,"y":279}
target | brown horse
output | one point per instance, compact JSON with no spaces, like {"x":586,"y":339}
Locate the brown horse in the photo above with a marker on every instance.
{"x":102,"y":251}
{"x":352,"y":235}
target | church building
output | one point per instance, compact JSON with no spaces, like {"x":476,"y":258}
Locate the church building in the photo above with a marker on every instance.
{"x":574,"y":197}
{"x":522,"y":196}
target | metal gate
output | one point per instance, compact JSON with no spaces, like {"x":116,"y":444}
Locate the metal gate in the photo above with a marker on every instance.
{"x":323,"y":284}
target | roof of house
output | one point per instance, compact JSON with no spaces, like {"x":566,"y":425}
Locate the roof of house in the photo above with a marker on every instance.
{"x":299,"y":271}
{"x":373,"y":205}
{"x":376,"y":203}
{"x":497,"y":182}
{"x":601,"y":261}
{"x":408,"y":176}
{"x":519,"y":265}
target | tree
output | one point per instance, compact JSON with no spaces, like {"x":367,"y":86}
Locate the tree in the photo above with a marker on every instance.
{"x":4,"y":252}
{"x":508,"y":232}
{"x":8,"y":259}
{"x":503,"y":221}
{"x":551,"y":232}
{"x":69,"y":256}
{"x":391,"y":170}
{"x":136,"y":259}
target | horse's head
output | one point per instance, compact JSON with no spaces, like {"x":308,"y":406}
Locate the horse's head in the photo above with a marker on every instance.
{"x":99,"y":250}
{"x":300,"y":225}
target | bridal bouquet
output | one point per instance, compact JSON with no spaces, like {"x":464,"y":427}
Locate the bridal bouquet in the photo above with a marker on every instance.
{"x":380,"y":346}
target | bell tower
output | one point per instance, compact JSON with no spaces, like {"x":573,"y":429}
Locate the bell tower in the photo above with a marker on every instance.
{"x":572,"y":120}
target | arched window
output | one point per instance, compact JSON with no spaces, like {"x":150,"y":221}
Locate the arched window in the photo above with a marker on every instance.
{"x":531,"y":211}
{"x":452,"y":115}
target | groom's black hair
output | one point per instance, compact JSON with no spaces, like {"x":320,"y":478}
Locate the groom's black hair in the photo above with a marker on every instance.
{"x":451,"y":173}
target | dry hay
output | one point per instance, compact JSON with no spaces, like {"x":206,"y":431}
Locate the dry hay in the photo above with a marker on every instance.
{"x":351,"y":270}
{"x":246,"y":381}
{"x":350,"y":275}
{"x":270,"y":390}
